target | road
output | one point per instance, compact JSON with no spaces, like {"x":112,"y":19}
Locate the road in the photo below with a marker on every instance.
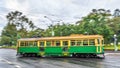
{"x":8,"y":59}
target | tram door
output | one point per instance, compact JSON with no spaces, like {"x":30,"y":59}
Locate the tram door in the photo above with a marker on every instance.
{"x":99,"y":45}
{"x":65,"y":45}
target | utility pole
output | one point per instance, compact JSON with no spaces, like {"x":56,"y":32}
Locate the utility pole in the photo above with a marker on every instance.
{"x":51,"y":24}
{"x":115,"y":42}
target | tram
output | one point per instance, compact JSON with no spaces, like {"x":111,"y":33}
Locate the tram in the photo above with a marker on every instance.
{"x":75,"y":45}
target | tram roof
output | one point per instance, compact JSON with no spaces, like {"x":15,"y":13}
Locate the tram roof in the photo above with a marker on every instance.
{"x":71,"y":37}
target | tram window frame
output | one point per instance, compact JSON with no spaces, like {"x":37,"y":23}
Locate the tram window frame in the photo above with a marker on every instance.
{"x":42,"y":43}
{"x":64,"y":43}
{"x":57,"y":42}
{"x":48,"y":43}
{"x":22,"y":43}
{"x":79,"y":42}
{"x":31,"y":43}
{"x":73,"y":42}
{"x":85,"y":41}
{"x":35,"y":43}
{"x":102,"y":42}
{"x":91,"y":42}
{"x":26,"y":43}
{"x":53,"y":43}
{"x":98,"y":40}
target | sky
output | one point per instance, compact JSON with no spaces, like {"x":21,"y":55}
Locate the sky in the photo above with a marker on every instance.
{"x":56,"y":11}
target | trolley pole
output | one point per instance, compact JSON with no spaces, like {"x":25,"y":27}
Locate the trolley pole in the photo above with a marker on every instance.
{"x":53,"y":32}
{"x":115,"y":42}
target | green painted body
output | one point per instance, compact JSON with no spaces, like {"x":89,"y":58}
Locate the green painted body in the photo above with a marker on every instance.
{"x":85,"y":49}
{"x":59,"y":51}
{"x":28,"y":49}
{"x":53,"y":49}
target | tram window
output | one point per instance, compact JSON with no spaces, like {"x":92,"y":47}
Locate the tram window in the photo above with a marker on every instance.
{"x":30,"y":43}
{"x":91,"y":42}
{"x":65,"y":43}
{"x":102,"y":42}
{"x":52,"y":43}
{"x":35,"y":43}
{"x":48,"y":43}
{"x":85,"y":42}
{"x":79,"y":43}
{"x":73,"y":42}
{"x":21,"y":43}
{"x":57,"y":43}
{"x":26,"y":43}
{"x":98,"y":41}
{"x":41,"y":43}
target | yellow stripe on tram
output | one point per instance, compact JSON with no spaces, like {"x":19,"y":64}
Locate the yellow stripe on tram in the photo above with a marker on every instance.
{"x":100,"y":49}
{"x":97,"y":49}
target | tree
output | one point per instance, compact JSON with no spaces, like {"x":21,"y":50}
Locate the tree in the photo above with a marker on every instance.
{"x":18,"y":26}
{"x":97,"y":23}
{"x":36,"y":33}
{"x":9,"y":34}
{"x":63,"y":29}
{"x":22,"y":23}
{"x":116,"y":13}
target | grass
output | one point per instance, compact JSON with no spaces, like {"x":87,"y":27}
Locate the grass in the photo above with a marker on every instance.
{"x":10,"y":47}
{"x":111,"y":47}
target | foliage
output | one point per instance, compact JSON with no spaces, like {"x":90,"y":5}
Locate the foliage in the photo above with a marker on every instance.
{"x":96,"y":23}
{"x":35,"y":33}
{"x":9,"y":34}
{"x":22,"y":23}
{"x":99,"y":21}
{"x":18,"y":26}
{"x":62,"y":30}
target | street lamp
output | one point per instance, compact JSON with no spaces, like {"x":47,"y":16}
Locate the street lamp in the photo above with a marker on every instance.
{"x":51,"y":24}
{"x":86,"y":33}
{"x":115,"y":42}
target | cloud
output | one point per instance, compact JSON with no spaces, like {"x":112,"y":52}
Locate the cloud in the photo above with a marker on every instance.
{"x":66,"y":10}
{"x":20,"y":5}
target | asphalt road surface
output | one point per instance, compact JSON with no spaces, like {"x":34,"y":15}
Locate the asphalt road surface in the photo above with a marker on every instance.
{"x":8,"y":59}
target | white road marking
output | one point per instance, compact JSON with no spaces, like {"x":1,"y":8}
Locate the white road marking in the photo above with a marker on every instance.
{"x":0,"y":59}
{"x":17,"y":66}
{"x":8,"y":62}
{"x":11,"y":63}
{"x":112,"y":53}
